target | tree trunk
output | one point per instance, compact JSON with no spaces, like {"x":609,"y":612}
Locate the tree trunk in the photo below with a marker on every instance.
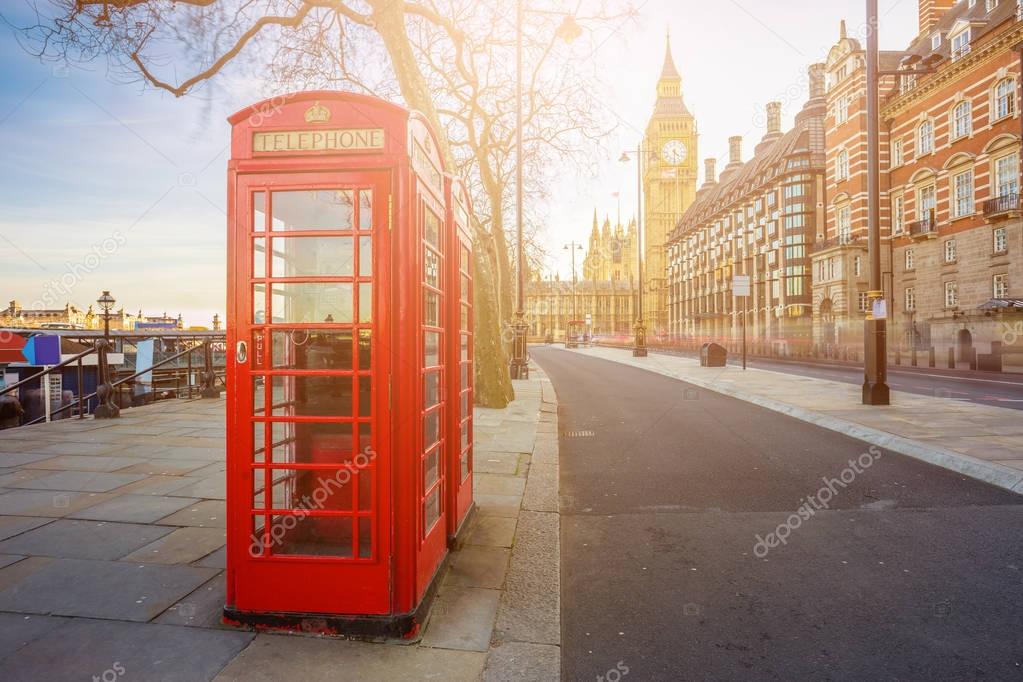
{"x":505,"y":276}
{"x":493,"y":382}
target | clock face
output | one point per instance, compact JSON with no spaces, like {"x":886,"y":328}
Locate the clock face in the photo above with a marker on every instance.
{"x":675,"y":152}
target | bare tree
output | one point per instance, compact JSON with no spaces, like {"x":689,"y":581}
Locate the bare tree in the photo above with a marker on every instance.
{"x":453,"y":60}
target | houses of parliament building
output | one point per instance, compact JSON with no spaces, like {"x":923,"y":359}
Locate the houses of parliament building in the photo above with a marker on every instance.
{"x":604,"y":288}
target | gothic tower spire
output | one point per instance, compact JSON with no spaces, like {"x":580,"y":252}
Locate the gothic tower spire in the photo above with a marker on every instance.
{"x":668,"y":71}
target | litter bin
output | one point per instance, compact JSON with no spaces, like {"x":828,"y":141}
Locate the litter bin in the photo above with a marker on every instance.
{"x":713,"y":355}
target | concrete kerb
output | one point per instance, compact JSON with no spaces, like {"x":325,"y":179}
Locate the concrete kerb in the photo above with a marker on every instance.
{"x":527,"y":636}
{"x":988,"y":472}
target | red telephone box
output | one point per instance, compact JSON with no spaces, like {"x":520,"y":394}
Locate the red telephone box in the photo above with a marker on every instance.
{"x":346,"y":269}
{"x":460,"y":359}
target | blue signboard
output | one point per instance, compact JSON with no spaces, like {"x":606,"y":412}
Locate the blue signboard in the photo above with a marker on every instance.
{"x":42,"y":350}
{"x":156,"y":325}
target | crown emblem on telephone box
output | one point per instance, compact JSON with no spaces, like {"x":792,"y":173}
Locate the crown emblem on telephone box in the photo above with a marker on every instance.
{"x":317,"y":113}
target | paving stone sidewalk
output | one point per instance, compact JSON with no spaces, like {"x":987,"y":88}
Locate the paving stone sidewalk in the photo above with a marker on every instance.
{"x":111,"y":558}
{"x":979,"y":441}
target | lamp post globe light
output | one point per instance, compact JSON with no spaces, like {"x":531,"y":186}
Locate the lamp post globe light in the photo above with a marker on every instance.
{"x":639,"y":349}
{"x":106,"y":409}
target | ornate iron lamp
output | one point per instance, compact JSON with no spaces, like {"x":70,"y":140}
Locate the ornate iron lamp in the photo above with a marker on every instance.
{"x":106,"y":409}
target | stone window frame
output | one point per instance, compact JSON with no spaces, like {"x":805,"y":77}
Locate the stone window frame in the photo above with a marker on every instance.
{"x":843,"y":228}
{"x":995,"y":233}
{"x":842,"y":165}
{"x":951,"y":294}
{"x":862,"y":301}
{"x":898,"y":198}
{"x":960,"y":125}
{"x":997,"y":98}
{"x":956,"y":211}
{"x":1000,"y":280}
{"x":929,"y":184}
{"x":949,"y":250}
{"x":897,"y":159}
{"x":841,"y":110}
{"x":928,"y":125}
{"x":995,"y":188}
{"x":909,"y":298}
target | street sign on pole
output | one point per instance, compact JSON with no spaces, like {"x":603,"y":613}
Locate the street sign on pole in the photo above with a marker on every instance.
{"x":880,"y":309}
{"x":42,"y":350}
{"x":741,"y":289}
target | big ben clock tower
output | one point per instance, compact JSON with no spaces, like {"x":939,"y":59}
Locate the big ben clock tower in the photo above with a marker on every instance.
{"x":669,"y":185}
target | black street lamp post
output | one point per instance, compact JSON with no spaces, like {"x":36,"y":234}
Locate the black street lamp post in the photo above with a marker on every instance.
{"x":875,"y":337}
{"x":573,"y":247}
{"x":875,"y":342}
{"x":106,"y":408}
{"x":639,"y":348}
{"x":519,"y":360}
{"x":568,"y":31}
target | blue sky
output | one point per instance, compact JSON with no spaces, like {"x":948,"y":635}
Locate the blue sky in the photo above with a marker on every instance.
{"x":105,"y":185}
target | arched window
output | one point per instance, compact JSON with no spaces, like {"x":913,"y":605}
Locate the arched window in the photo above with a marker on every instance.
{"x":843,"y":223}
{"x":962,"y":120}
{"x":842,"y":165}
{"x":1005,"y":99}
{"x":925,"y":138}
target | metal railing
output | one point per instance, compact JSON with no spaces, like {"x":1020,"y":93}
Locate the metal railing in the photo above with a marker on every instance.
{"x":1003,"y":204}
{"x":167,"y":375}
{"x":43,"y":375}
{"x":922,"y":227}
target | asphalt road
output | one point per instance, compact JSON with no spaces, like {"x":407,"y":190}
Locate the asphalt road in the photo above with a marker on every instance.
{"x":902,"y":571}
{"x":999,"y":390}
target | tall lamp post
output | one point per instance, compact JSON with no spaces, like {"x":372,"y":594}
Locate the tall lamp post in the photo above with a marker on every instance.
{"x":106,"y":409}
{"x":639,"y":329}
{"x":875,"y":333}
{"x":875,"y":341}
{"x":568,"y":31}
{"x":573,"y":247}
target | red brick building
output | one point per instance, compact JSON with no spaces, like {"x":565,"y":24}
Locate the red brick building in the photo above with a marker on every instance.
{"x":951,"y":229}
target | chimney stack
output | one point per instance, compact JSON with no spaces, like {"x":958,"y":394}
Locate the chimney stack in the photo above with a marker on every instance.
{"x":816,"y":74}
{"x":931,"y":12}
{"x":774,"y":118}
{"x":735,"y":151}
{"x":773,"y":133}
{"x":709,"y":172}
